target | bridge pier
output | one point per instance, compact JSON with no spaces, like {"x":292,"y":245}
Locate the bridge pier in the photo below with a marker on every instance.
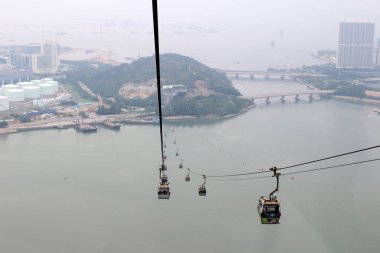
{"x":311,"y":98}
{"x":297,"y":98}
{"x":237,"y":76}
{"x":282,"y":77}
{"x":282,"y":99}
{"x":267,"y":101}
{"x":267,"y":77}
{"x":252,"y":77}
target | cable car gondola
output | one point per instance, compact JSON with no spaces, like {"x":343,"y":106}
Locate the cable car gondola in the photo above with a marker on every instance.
{"x":269,"y":208}
{"x":181,"y":164}
{"x":187,"y":178}
{"x":163,"y":190}
{"x":202,"y":188}
{"x":176,"y":154}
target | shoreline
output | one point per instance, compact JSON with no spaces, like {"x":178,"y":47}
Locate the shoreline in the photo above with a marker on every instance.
{"x":363,"y":101}
{"x":184,"y":117}
{"x":23,"y":127}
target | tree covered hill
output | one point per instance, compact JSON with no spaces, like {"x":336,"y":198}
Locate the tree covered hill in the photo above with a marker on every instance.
{"x":210,"y":92}
{"x":175,"y":69}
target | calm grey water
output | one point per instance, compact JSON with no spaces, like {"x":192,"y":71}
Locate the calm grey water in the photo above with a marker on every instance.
{"x":108,"y":201}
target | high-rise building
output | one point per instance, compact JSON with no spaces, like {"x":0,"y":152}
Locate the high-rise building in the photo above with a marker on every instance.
{"x":356,"y":45}
{"x":48,"y":61}
{"x":377,"y":57}
{"x":21,"y":56}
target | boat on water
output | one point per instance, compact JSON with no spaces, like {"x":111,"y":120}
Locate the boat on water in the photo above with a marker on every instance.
{"x":111,"y":125}
{"x":61,"y":127}
{"x":86,"y":128}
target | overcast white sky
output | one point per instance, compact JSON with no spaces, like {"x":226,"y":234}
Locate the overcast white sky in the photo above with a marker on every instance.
{"x":308,"y":25}
{"x":231,"y":11}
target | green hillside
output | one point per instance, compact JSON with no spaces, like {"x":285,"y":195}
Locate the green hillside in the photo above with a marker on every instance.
{"x":175,"y":70}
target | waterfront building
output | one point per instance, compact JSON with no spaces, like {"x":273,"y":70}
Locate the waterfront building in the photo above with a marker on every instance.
{"x":356,"y":45}
{"x":48,"y":61}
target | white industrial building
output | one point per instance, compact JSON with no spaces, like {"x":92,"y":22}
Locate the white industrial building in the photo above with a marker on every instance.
{"x":34,"y":89}
{"x":48,"y":89}
{"x":32,"y":92}
{"x":22,"y":85}
{"x":15,"y":95}
{"x":4,"y":103}
{"x":9,"y":87}
{"x":36,"y":82}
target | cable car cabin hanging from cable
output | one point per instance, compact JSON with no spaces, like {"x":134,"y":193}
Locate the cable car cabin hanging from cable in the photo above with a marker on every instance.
{"x":181,"y":164}
{"x":163,"y":190}
{"x":269,"y":208}
{"x":187,"y":178}
{"x":202,"y":188}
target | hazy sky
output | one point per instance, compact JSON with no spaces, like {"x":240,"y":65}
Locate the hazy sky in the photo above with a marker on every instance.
{"x":232,"y":11}
{"x":308,"y":25}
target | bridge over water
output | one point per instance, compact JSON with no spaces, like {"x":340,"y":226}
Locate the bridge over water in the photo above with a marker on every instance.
{"x":267,"y":74}
{"x":282,"y":95}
